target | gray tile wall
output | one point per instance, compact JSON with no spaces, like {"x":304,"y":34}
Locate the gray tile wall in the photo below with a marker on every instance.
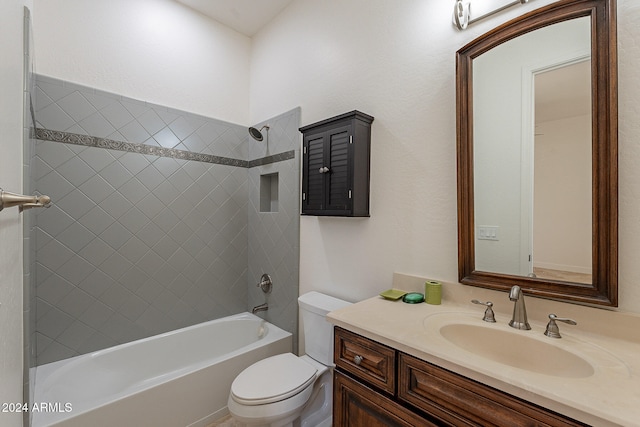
{"x":274,"y":237}
{"x":134,"y":244}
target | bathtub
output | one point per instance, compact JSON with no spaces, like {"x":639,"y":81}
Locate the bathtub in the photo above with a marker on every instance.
{"x":176,"y":379}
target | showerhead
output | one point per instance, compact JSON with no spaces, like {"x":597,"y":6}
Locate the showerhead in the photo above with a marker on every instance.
{"x":257,"y":133}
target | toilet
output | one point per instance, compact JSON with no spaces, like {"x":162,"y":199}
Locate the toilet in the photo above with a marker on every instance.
{"x":287,"y":390}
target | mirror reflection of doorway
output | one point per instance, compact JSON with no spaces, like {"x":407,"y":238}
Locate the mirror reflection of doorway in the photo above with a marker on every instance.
{"x":562,"y":199}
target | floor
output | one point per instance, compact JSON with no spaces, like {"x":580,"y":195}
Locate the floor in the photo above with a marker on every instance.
{"x":224,"y":422}
{"x":567,"y":276}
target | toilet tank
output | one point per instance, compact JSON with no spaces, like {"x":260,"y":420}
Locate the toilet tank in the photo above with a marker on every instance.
{"x":318,"y":332}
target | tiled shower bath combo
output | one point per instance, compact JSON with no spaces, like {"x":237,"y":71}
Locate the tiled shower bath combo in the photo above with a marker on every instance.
{"x":158,"y":221}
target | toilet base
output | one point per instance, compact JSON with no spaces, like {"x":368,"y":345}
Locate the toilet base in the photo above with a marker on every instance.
{"x":317,"y":412}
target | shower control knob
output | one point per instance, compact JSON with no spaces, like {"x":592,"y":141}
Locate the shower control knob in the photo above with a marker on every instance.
{"x":265,"y":283}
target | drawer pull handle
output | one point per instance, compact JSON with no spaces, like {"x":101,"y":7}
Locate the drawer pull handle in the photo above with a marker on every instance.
{"x":357,"y":360}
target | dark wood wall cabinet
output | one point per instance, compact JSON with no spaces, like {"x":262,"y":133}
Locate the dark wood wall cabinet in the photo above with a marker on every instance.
{"x":335,"y":166}
{"x":376,"y":385}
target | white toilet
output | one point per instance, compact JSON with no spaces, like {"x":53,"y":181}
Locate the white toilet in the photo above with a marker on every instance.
{"x":287,"y":390}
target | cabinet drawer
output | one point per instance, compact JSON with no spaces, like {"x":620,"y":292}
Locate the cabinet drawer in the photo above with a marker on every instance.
{"x":368,"y":360}
{"x":461,"y":401}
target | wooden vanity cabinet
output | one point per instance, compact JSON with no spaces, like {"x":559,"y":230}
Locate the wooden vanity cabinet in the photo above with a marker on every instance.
{"x":335,"y":166}
{"x":355,"y":404}
{"x":413,"y":392}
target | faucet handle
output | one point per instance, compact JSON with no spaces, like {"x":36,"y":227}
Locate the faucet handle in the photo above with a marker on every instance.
{"x":488,"y":313}
{"x":552,"y":330}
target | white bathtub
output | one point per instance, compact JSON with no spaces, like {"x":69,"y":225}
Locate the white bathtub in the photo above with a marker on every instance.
{"x":177,"y":379}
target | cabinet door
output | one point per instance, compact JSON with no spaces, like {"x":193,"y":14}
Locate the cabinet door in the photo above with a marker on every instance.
{"x":312,"y":175}
{"x":339,"y":177}
{"x":327,"y":174}
{"x":355,"y":405}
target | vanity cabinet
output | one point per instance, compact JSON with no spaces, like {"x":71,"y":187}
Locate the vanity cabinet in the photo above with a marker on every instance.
{"x":376,"y":385}
{"x":356,"y":405}
{"x":335,"y":166}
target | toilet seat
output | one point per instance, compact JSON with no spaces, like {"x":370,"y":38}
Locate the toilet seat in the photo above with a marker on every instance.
{"x":273,"y":379}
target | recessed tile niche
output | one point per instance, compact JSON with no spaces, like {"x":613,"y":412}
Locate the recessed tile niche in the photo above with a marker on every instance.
{"x":269,"y":192}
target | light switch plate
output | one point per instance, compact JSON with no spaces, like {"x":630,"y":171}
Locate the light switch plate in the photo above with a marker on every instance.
{"x":488,"y":232}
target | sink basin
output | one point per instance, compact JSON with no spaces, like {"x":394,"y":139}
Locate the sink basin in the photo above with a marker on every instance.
{"x":517,"y":350}
{"x":464,"y":339}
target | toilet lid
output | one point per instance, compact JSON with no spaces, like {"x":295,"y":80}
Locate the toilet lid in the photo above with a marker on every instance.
{"x":272,"y":379}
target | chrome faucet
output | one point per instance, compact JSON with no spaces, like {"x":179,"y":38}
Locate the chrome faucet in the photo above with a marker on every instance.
{"x":519,"y":319}
{"x":261,"y":307}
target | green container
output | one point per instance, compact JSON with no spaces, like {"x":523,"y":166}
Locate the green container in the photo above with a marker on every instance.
{"x":413,"y":298}
{"x":433,"y":292}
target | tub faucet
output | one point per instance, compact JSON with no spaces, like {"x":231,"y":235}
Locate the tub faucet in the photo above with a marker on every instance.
{"x":261,"y":307}
{"x":519,"y":319}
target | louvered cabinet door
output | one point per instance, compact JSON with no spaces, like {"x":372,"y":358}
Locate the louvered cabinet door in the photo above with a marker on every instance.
{"x":313,"y":178}
{"x":338,"y":175}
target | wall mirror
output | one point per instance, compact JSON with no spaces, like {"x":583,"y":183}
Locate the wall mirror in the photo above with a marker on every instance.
{"x":537,"y":154}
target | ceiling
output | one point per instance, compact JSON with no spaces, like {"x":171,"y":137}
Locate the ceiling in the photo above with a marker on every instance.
{"x":244,"y":16}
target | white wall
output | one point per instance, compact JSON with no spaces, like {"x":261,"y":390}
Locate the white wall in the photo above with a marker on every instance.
{"x":562,"y":195}
{"x":158,"y":51}
{"x":11,"y":52}
{"x":396,"y":61}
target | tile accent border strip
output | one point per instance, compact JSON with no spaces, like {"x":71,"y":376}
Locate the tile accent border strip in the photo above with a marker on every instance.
{"x":93,"y":141}
{"x":291,"y":154}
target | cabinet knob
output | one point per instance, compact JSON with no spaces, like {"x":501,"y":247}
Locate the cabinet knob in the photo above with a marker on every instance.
{"x":357,"y":360}
{"x":323,"y":169}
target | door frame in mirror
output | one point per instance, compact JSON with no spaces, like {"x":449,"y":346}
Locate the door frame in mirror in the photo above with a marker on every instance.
{"x":603,"y":290}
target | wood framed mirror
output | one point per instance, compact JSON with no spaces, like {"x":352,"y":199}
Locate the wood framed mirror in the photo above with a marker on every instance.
{"x":530,"y":212}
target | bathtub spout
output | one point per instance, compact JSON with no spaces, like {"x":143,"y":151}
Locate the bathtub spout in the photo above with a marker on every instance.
{"x":261,"y":307}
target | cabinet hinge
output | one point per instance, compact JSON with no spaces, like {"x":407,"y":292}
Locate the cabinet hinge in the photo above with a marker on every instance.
{"x":304,"y":150}
{"x":304,"y":196}
{"x":350,"y":139}
{"x":349,"y":193}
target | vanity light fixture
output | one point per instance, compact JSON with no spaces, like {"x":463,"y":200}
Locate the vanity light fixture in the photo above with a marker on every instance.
{"x":464,"y":14}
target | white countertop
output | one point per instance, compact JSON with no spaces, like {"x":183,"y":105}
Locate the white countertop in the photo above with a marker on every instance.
{"x":609,"y":397}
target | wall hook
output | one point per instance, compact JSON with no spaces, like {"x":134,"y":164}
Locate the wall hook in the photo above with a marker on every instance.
{"x":8,"y":200}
